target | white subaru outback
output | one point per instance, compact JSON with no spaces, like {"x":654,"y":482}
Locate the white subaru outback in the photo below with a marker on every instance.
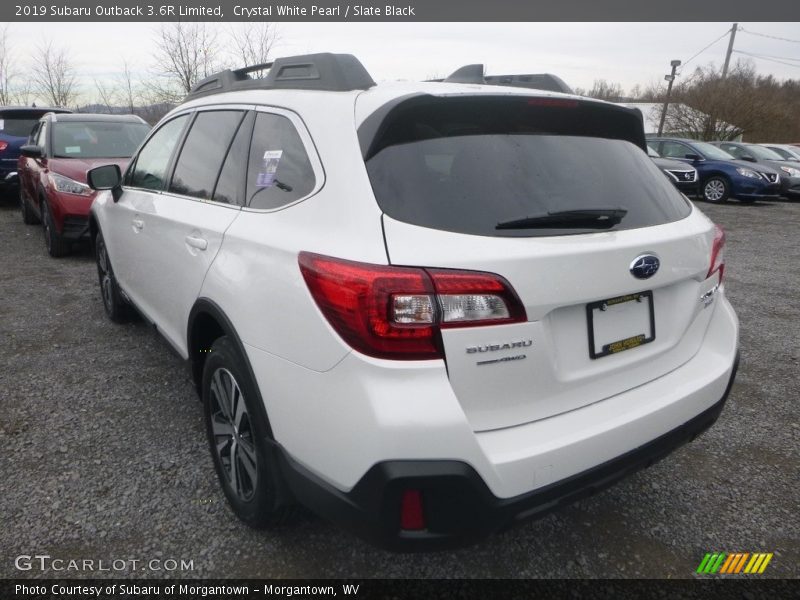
{"x":423,"y":310}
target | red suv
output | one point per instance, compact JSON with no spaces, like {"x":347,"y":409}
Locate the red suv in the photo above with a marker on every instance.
{"x":52,"y":170}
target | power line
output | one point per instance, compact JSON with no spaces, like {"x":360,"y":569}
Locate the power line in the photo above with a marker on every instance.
{"x":762,"y":57}
{"x":767,"y":56}
{"x":774,"y":37}
{"x":686,"y":62}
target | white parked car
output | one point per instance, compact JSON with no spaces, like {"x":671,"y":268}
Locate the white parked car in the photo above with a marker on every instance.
{"x":423,"y":310}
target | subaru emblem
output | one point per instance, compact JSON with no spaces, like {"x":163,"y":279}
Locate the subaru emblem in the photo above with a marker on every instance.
{"x":644,"y":266}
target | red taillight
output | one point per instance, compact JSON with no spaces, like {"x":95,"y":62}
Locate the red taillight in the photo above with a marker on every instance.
{"x":396,"y":312}
{"x":411,"y":516}
{"x":3,"y":146}
{"x":717,"y":253}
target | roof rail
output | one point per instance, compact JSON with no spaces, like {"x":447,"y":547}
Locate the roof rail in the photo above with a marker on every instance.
{"x":324,"y":71}
{"x":537,"y":81}
{"x":466,"y":74}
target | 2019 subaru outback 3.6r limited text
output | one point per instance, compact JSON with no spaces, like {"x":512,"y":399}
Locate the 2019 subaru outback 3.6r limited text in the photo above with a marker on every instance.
{"x":403,"y":308}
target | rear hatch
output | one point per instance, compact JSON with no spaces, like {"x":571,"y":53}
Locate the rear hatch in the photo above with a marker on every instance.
{"x":559,"y":197}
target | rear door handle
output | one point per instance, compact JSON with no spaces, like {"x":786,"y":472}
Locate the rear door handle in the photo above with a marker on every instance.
{"x":196,"y":242}
{"x":138,"y":224}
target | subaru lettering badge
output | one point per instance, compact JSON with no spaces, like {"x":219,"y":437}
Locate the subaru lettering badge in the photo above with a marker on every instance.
{"x":644,"y":266}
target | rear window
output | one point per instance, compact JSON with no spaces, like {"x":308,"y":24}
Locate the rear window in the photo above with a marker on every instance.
{"x":97,"y":139}
{"x":468,"y":166}
{"x":16,"y":126}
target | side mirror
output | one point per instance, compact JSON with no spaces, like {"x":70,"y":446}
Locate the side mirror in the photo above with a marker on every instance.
{"x":748,"y":158}
{"x":105,"y":177}
{"x":31,"y":151}
{"x":693,"y":156}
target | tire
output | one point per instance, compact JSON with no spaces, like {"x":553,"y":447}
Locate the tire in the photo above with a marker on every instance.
{"x":237,"y":436}
{"x":28,"y":216}
{"x":117,"y":309}
{"x":56,"y":245}
{"x":716,"y":189}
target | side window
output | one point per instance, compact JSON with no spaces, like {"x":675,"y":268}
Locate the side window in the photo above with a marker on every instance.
{"x":34,"y":135}
{"x":41,"y":137}
{"x":279,"y":170}
{"x":153,"y":159}
{"x":230,"y":185}
{"x":674,"y":150}
{"x":202,"y":154}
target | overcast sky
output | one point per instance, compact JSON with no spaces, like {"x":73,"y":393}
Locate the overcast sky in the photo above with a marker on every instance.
{"x":628,"y":53}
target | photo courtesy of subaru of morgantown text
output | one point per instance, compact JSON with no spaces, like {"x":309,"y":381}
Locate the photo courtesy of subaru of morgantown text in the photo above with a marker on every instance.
{"x":422,"y":310}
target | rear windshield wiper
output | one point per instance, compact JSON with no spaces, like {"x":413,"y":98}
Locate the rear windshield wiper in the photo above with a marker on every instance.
{"x":588,"y":218}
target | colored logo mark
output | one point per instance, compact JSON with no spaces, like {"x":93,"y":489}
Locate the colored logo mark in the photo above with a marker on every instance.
{"x":737,"y":562}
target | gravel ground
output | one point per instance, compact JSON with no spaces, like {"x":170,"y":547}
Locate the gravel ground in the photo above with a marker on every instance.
{"x":103,"y":453}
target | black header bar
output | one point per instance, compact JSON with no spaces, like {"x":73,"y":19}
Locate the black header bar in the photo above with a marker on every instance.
{"x":400,"y":10}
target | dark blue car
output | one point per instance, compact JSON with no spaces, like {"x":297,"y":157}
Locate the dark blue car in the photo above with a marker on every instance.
{"x":16,"y":123}
{"x":721,"y":175}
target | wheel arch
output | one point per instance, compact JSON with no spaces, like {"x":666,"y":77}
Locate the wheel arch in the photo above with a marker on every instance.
{"x":207,"y":323}
{"x":716,"y":173}
{"x":94,"y":228}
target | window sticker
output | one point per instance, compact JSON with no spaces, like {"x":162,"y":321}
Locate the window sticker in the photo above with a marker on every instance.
{"x":2,"y":124}
{"x":266,"y":178}
{"x":72,"y":149}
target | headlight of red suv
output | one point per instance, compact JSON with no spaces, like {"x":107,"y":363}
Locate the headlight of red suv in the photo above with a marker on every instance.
{"x":69,"y":186}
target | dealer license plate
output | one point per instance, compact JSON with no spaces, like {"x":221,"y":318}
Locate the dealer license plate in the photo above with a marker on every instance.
{"x":620,"y":323}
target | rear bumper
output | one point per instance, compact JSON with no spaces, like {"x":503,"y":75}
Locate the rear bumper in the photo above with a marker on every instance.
{"x":8,"y":179}
{"x":458,"y":506}
{"x":354,"y":465}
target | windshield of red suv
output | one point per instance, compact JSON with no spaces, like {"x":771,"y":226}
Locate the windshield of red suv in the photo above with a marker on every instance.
{"x":97,"y":139}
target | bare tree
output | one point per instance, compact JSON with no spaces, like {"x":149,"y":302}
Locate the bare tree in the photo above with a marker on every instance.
{"x":53,"y":75}
{"x":126,"y":86}
{"x":604,"y":90}
{"x":708,"y":107}
{"x":252,"y":43}
{"x":5,"y":68}
{"x":22,"y":92}
{"x":107,"y":96}
{"x":185,"y":53}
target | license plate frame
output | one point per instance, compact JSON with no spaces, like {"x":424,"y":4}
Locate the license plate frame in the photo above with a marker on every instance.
{"x":630,"y":342}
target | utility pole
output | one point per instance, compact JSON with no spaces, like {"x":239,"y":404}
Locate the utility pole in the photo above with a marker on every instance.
{"x":730,"y":51}
{"x":671,"y":78}
{"x":711,"y":131}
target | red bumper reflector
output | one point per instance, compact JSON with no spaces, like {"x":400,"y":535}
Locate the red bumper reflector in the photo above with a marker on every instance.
{"x":411,"y":517}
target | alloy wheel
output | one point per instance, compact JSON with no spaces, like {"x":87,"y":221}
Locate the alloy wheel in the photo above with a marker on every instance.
{"x":233,"y":434}
{"x":105,"y":276}
{"x":715,"y":190}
